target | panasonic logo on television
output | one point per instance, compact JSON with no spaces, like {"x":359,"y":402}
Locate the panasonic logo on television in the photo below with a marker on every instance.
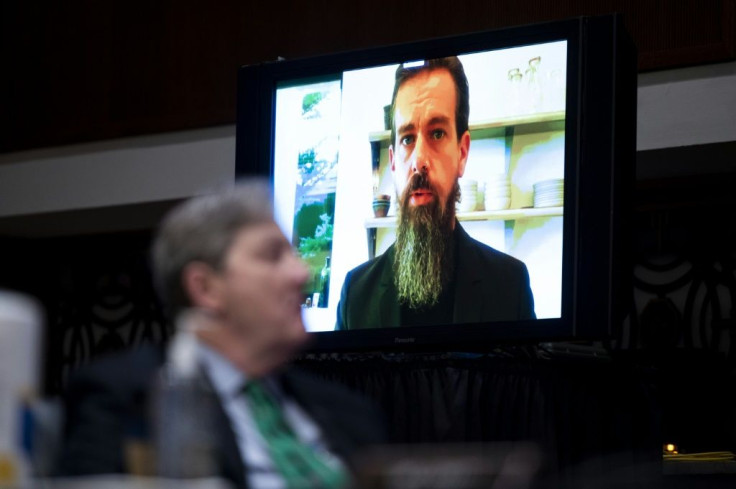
{"x":403,"y":340}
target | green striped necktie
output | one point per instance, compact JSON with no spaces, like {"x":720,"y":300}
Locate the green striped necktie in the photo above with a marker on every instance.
{"x":299,"y":465}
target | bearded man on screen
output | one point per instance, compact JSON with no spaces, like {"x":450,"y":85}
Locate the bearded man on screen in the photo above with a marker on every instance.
{"x":434,"y":273}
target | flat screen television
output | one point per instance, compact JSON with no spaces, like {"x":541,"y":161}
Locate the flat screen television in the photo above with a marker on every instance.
{"x":544,"y":171}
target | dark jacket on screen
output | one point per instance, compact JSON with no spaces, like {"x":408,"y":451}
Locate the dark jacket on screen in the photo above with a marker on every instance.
{"x":489,"y":286}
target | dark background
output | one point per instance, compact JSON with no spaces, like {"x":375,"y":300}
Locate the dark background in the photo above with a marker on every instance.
{"x":88,"y":70}
{"x":82,"y":71}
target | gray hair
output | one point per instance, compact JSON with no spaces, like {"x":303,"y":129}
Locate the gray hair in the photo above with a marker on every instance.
{"x":203,"y":229}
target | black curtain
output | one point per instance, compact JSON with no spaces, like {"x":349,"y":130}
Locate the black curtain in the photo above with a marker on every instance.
{"x":577,"y":410}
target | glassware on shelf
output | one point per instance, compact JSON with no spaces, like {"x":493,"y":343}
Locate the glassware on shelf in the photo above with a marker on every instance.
{"x":555,"y":90}
{"x":324,"y":284}
{"x":516,"y":97}
{"x":535,"y":95}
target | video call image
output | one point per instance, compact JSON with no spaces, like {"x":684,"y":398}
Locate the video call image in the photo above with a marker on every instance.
{"x":443,"y":207}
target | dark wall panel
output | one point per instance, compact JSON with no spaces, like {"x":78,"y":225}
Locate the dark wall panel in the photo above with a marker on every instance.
{"x":90,"y":70}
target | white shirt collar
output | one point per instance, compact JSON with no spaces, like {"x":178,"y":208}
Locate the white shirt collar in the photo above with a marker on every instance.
{"x":227,"y":380}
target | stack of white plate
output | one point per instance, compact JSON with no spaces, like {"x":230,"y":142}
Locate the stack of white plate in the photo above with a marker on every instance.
{"x":468,"y":195}
{"x":549,"y":193}
{"x":498,"y":192}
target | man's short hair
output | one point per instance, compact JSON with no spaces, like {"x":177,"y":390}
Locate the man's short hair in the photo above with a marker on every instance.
{"x":462,"y":91}
{"x":203,"y":229}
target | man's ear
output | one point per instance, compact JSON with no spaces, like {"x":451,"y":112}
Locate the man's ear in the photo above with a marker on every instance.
{"x":391,"y":156}
{"x":202,"y":285}
{"x":464,"y":149}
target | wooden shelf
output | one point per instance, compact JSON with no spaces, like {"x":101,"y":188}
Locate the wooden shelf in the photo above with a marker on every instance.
{"x":381,"y":136}
{"x":504,"y":215}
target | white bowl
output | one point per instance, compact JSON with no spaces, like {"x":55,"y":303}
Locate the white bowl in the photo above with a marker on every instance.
{"x":497,"y":204}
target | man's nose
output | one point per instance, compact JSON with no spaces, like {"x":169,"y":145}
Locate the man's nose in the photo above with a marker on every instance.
{"x":420,"y":156}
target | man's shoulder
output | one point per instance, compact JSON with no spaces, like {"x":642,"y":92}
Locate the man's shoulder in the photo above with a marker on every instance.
{"x":141,"y":358}
{"x":358,"y":298}
{"x":104,"y":402}
{"x":126,"y":370}
{"x":488,"y":255}
{"x":374,"y":267}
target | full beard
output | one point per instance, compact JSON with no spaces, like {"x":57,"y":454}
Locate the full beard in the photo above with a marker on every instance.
{"x":425,"y":256}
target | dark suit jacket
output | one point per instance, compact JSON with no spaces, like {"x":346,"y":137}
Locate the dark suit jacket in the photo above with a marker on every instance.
{"x":489,"y":286}
{"x":107,"y":404}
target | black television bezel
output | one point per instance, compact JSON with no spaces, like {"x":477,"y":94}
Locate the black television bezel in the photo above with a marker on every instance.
{"x":599,"y":172}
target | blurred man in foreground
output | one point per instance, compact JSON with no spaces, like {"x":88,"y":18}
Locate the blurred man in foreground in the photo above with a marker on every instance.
{"x":222,"y":260}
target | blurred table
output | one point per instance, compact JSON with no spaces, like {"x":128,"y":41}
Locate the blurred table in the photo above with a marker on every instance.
{"x":129,"y":482}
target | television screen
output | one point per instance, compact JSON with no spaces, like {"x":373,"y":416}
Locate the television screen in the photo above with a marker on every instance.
{"x":445,"y":186}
